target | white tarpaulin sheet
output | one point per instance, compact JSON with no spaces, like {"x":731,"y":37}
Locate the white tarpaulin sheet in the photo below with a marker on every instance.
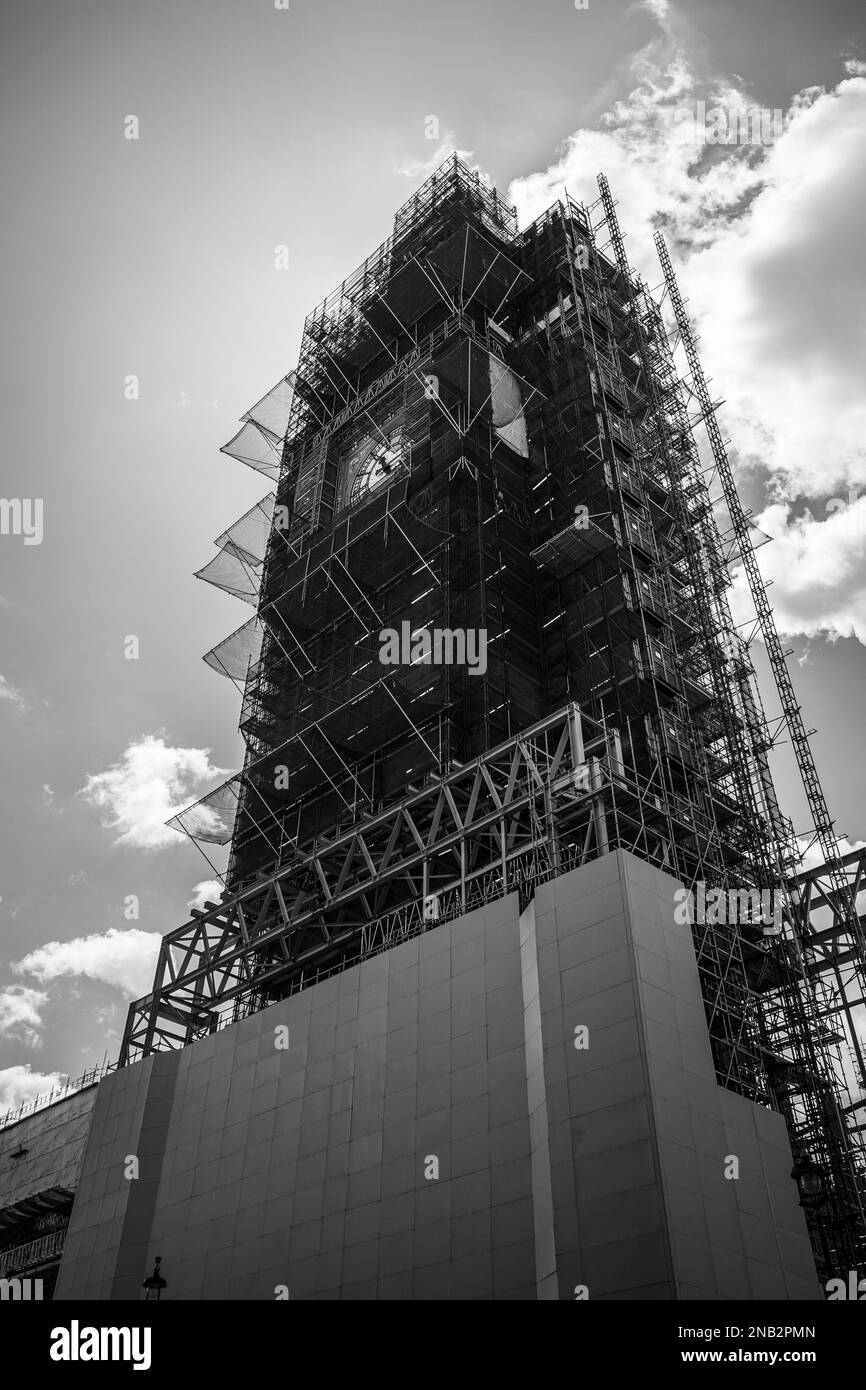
{"x":509,"y":421}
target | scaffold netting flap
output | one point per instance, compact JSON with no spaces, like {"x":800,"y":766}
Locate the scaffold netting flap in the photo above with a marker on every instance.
{"x":234,"y":572}
{"x":257,"y":449}
{"x":249,"y":534}
{"x":236,"y":653}
{"x":259,"y":441}
{"x":509,"y":421}
{"x":272,"y":411}
{"x":212,"y":819}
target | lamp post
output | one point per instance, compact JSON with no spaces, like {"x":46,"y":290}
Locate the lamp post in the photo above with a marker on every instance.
{"x":155,"y":1284}
{"x":811,"y":1181}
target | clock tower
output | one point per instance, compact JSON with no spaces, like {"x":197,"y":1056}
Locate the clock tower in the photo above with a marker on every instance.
{"x":406,"y":482}
{"x":492,"y":664}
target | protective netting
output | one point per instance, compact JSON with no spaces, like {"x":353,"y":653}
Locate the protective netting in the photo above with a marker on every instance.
{"x":249,"y":535}
{"x":236,"y":653}
{"x":235,"y":572}
{"x":212,"y":819}
{"x":257,"y":449}
{"x":483,"y":272}
{"x":237,"y":568}
{"x":259,"y":441}
{"x":271,"y":413}
{"x":509,"y":421}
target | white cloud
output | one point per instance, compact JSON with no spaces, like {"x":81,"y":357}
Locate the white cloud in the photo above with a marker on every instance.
{"x":147,"y":785}
{"x":20,"y":1014}
{"x":124,"y":959}
{"x":423,"y":168}
{"x":768,"y":244}
{"x":817,"y":570}
{"x":813,"y":856}
{"x":782,"y":299}
{"x":19,"y":1085}
{"x":104,"y":1020}
{"x":13,"y":695}
{"x":209,"y":890}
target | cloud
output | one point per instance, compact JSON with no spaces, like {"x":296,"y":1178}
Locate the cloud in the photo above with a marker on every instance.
{"x":782,"y":299}
{"x":104,"y":1020}
{"x":147,"y":785}
{"x":817,"y":570}
{"x":658,"y":8}
{"x":423,"y":168}
{"x":123,"y":959}
{"x":20,"y":1014}
{"x":209,"y":890}
{"x":768,"y":245}
{"x":813,"y":855}
{"x":13,"y":695}
{"x":19,"y":1085}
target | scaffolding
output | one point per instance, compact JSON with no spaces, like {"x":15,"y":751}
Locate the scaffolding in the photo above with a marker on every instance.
{"x":486,"y":430}
{"x":812,"y":993}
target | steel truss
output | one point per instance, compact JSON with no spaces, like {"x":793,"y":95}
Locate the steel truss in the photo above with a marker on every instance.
{"x":832,"y":956}
{"x":544,"y":801}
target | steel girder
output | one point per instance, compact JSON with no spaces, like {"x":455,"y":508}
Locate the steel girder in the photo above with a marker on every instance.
{"x":538,"y":793}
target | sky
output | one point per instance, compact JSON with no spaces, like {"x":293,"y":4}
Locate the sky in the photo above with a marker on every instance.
{"x":148,"y":306}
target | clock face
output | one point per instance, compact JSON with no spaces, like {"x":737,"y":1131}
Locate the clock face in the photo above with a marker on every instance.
{"x":375,"y":463}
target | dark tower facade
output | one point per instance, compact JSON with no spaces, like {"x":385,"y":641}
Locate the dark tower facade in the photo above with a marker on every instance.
{"x":407,"y":490}
{"x":486,"y":437}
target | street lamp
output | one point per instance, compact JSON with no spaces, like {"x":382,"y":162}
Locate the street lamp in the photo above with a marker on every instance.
{"x":810,"y":1179}
{"x":155,"y":1284}
{"x":811,"y":1183}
